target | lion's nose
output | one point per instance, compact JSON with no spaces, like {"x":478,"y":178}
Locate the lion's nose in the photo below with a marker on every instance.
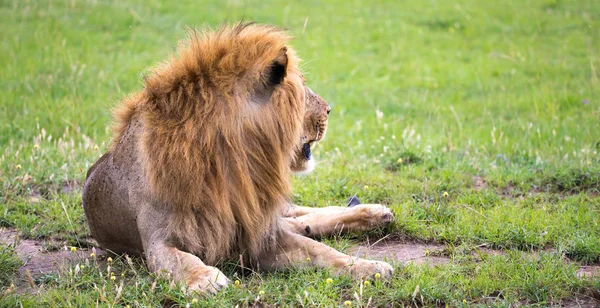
{"x":328,"y":109}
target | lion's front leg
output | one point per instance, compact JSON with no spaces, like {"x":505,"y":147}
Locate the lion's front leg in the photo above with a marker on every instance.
{"x":315,"y":222}
{"x":162,"y":256}
{"x":297,"y":251}
{"x":185,"y":267}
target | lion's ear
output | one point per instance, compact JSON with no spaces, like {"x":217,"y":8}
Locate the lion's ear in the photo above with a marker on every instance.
{"x":277,"y":70}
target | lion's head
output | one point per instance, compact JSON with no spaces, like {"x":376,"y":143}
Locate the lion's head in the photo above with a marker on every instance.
{"x":314,"y":127}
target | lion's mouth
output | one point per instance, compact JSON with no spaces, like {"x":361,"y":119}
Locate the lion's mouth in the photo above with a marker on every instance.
{"x":306,"y":151}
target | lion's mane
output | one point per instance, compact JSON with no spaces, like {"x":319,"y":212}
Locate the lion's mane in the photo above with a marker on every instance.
{"x":219,"y":133}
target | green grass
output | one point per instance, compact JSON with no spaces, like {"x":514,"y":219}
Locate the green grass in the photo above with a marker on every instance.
{"x":9,"y":264}
{"x":497,"y":280}
{"x":492,"y":106}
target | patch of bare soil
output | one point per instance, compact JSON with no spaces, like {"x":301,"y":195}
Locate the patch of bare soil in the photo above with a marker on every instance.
{"x":403,"y":252}
{"x":580,"y":303}
{"x":38,"y":260}
{"x":479,"y":183}
{"x":432,"y":254}
{"x":589,"y":271}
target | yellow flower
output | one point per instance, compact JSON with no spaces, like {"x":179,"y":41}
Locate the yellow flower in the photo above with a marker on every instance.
{"x":112,"y":277}
{"x":261,"y":292}
{"x":308,"y":259}
{"x":82,"y":266}
{"x":445,"y":194}
{"x":378,"y":275}
{"x":367,"y":283}
{"x":35,"y":146}
{"x":237,"y":282}
{"x":95,"y":148}
{"x":426,"y":252}
{"x":109,"y":259}
{"x":366,"y":187}
{"x":127,"y":306}
{"x":399,"y":160}
{"x":329,"y":280}
{"x":464,"y":301}
{"x":18,"y":167}
{"x":348,"y":303}
{"x":92,"y":254}
{"x":73,"y":249}
{"x":122,"y":274}
{"x":194,"y":300}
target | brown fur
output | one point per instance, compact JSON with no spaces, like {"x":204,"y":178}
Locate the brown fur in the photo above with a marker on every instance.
{"x":206,"y":138}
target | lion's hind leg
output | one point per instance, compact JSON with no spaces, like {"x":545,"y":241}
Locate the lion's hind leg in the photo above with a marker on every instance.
{"x":316,"y":222}
{"x":297,"y":251}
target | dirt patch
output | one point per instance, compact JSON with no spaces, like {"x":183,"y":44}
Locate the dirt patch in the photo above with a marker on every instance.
{"x":510,"y":191}
{"x":403,"y":252}
{"x":589,"y":271}
{"x":433,"y":254}
{"x":479,"y":183}
{"x":38,"y":260}
{"x":580,"y":303}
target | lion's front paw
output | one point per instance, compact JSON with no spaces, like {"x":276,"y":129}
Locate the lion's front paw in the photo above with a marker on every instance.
{"x":206,"y":280}
{"x":365,"y":269}
{"x":374,"y":215}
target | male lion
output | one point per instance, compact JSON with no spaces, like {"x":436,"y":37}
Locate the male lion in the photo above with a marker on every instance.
{"x":199,"y":168}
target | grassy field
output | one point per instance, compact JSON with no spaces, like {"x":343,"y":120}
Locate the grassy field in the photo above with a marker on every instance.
{"x":492,"y":106}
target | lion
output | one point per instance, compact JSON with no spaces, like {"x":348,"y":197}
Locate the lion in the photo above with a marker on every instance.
{"x":199,"y":168}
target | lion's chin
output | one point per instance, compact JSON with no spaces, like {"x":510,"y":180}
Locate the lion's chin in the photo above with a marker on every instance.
{"x":308,"y":167}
